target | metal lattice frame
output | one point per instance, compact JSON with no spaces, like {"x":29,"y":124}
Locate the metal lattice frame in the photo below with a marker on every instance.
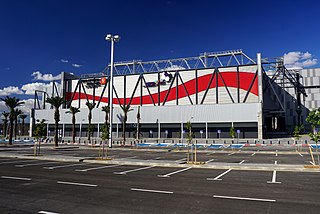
{"x":205,"y":60}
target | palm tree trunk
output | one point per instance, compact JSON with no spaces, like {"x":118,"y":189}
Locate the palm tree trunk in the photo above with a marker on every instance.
{"x":15,"y":128}
{"x":5,"y":129}
{"x":22,"y":128}
{"x":73,"y":128}
{"x":10,"y":131}
{"x":56,"y":126}
{"x":124,"y":132}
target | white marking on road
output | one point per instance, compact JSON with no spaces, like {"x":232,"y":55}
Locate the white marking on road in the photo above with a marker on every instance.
{"x":151,"y":190}
{"x":183,"y":159}
{"x":231,"y":153}
{"x":276,"y":153}
{"x":242,"y":161}
{"x":16,"y":178}
{"x":274,"y":176}
{"x":210,"y":153}
{"x":157,"y":158}
{"x":311,"y":163}
{"x":242,"y":198}
{"x":63,"y":166}
{"x":219,"y":176}
{"x":18,"y":161}
{"x":133,"y":170}
{"x":210,"y":160}
{"x":253,"y":154}
{"x":300,"y":154}
{"x":77,"y":184}
{"x":175,"y":172}
{"x":46,"y":212}
{"x":129,"y":157}
{"x":95,"y":168}
{"x":33,"y":164}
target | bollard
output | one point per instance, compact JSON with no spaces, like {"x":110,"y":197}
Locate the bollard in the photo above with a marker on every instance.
{"x":263,"y":142}
{"x":224,"y":142}
{"x":288,"y":142}
{"x":271,"y":142}
{"x":279,"y":142}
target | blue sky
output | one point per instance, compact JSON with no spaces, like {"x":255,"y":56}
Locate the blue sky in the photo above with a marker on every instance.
{"x":52,"y":36}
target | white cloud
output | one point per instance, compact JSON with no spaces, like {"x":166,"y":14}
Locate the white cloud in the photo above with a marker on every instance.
{"x":299,"y":60}
{"x":30,"y":88}
{"x":64,"y":60}
{"x":28,"y":105}
{"x":45,"y":77}
{"x":76,"y":65}
{"x":10,"y":90}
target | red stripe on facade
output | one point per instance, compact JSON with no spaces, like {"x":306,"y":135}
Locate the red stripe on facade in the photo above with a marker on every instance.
{"x":229,"y":78}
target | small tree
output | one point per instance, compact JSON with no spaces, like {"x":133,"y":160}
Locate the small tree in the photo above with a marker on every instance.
{"x":106,"y":110}
{"x":125,"y":109}
{"x":189,"y":140}
{"x":105,"y":135}
{"x":39,"y":133}
{"x":314,"y":120}
{"x":232,"y":132}
{"x":73,"y":111}
{"x":297,"y":132}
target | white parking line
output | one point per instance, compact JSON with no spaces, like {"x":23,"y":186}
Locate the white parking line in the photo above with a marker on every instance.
{"x":133,"y":170}
{"x":129,"y":157}
{"x":274,"y":176}
{"x":231,"y":153}
{"x":18,"y":161}
{"x":300,"y":154}
{"x":219,"y":176}
{"x":210,"y":160}
{"x":210,"y":153}
{"x":46,"y":212}
{"x":151,"y":190}
{"x":77,"y":184}
{"x":175,"y":172}
{"x":242,"y":198}
{"x":157,"y":158}
{"x":183,"y":159}
{"x":63,"y":166}
{"x":34,"y":164}
{"x":276,"y":153}
{"x":253,"y":154}
{"x":16,"y":178}
{"x":311,"y":163}
{"x":242,"y":161}
{"x":95,"y":168}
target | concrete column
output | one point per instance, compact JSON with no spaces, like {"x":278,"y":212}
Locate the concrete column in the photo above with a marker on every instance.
{"x":80,"y":131}
{"x":159,"y":130}
{"x":260,"y":87}
{"x":206,"y":131}
{"x":181,"y":132}
{"x":63,"y":127}
{"x":98,"y":133}
{"x":117,"y":130}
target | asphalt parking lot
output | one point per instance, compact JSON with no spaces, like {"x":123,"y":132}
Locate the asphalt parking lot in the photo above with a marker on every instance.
{"x":37,"y":186}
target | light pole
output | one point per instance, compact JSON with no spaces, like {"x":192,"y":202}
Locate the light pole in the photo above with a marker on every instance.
{"x":113,"y":39}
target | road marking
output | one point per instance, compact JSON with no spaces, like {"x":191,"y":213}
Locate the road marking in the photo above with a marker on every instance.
{"x":157,"y":158}
{"x":34,"y":164}
{"x":210,"y":160}
{"x":183,"y":159}
{"x":18,"y":161}
{"x":210,"y":153}
{"x":63,"y":166}
{"x":231,"y":153}
{"x":16,"y":178}
{"x":274,"y":176}
{"x":219,"y":176}
{"x":151,"y":190}
{"x":77,"y":184}
{"x":242,"y":198}
{"x":276,"y":153}
{"x":242,"y":161}
{"x":311,"y":163}
{"x":129,"y":157}
{"x":95,"y":168}
{"x":253,"y":154}
{"x":300,"y":154}
{"x":175,"y":172}
{"x":133,"y":170}
{"x":46,"y":212}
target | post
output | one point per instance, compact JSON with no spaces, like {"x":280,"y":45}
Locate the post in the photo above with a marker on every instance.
{"x":260,"y":87}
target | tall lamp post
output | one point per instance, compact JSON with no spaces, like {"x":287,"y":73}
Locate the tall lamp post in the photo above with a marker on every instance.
{"x":112,"y":38}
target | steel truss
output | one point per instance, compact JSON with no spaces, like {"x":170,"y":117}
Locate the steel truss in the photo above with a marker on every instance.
{"x":205,"y":60}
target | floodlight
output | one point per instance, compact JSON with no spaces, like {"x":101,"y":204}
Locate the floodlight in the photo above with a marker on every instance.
{"x":109,"y":37}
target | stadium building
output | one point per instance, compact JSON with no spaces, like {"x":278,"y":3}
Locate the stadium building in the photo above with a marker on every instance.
{"x":260,"y":98}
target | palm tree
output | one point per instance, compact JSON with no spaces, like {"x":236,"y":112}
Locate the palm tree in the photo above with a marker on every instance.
{"x":125,"y":109}
{"x":23,"y":117}
{"x":5,"y":123}
{"x":106,"y":109}
{"x":17,"y":112}
{"x":90,"y":107}
{"x":73,"y":111}
{"x":56,"y":102}
{"x":11,"y":103}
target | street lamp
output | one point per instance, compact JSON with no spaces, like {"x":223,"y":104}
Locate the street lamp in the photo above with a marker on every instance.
{"x":113,"y":39}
